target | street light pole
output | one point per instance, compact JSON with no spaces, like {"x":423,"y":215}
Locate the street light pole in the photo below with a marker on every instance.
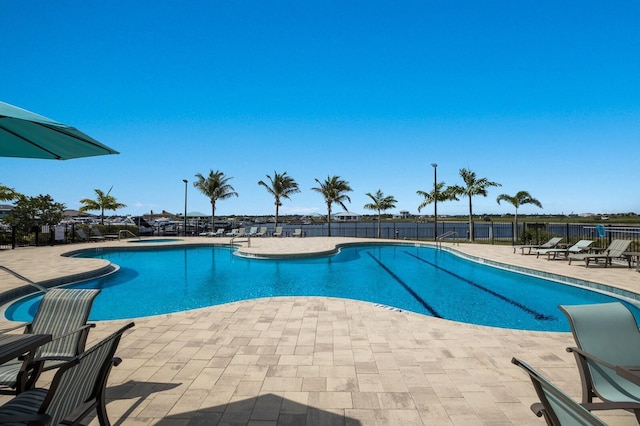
{"x":185,"y":206}
{"x":435,"y":201}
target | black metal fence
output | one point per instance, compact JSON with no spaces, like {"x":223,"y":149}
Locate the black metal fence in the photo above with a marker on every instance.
{"x":13,"y":237}
{"x":485,"y":232}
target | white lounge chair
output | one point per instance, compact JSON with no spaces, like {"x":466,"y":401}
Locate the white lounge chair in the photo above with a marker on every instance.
{"x":615,"y":251}
{"x":277,"y":232}
{"x":552,"y":243}
{"x":579,"y":247}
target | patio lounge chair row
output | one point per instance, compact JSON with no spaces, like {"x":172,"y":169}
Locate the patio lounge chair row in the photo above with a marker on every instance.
{"x":253,"y":231}
{"x":582,"y":250}
{"x":608,"y":344}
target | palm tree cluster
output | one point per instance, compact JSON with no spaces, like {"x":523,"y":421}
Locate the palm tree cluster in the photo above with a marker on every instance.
{"x":216,"y":186}
{"x":473,"y":186}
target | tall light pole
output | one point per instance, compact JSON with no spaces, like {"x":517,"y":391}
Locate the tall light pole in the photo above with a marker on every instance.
{"x":185,"y":206}
{"x":435,"y":201}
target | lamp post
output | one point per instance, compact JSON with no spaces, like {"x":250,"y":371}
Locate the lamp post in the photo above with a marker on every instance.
{"x":185,"y":206}
{"x":435,"y":201}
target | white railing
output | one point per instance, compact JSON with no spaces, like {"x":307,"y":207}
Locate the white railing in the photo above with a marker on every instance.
{"x":449,"y":234}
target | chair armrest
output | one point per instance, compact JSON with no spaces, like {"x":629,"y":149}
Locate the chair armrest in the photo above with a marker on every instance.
{"x":588,"y":356}
{"x":72,"y":332}
{"x":538,"y":409}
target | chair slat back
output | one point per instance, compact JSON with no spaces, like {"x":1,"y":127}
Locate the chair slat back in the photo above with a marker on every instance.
{"x":80,"y":383}
{"x":617,"y":247}
{"x":62,"y":311}
{"x":609,"y":332}
{"x":606,"y":330}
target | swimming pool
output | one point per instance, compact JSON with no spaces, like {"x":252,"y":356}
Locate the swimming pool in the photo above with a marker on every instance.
{"x":159,"y":280}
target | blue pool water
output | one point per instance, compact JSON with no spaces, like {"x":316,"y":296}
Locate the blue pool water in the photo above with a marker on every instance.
{"x":157,"y":280}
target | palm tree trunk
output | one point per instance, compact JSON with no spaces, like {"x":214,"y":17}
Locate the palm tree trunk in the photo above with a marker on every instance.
{"x":213,"y":217}
{"x":276,"y":215}
{"x":378,"y":223}
{"x":470,"y":220}
{"x":329,"y":220}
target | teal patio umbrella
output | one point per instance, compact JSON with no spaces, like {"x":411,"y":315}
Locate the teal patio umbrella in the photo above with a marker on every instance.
{"x":28,"y":135}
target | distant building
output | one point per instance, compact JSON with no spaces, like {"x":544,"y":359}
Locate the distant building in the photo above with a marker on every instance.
{"x":346,"y":217}
{"x":402,"y":214}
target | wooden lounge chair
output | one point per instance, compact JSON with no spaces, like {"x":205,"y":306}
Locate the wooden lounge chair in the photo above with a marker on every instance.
{"x":557,"y":407}
{"x":63,"y":313}
{"x":552,"y":243}
{"x":615,"y":251}
{"x":607,"y":336}
{"x":77,"y":389}
{"x":579,"y":247}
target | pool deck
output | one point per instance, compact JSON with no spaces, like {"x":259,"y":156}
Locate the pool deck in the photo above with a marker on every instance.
{"x":323,"y":361}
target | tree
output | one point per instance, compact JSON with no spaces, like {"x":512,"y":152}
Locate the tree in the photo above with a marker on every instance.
{"x":380,"y":203}
{"x":521,"y":198}
{"x":102,"y":202}
{"x":282,"y":186}
{"x":474,"y":186}
{"x":333,"y":190}
{"x":8,"y":194}
{"x":34,"y":211}
{"x":216,"y":187}
{"x":440,"y":192}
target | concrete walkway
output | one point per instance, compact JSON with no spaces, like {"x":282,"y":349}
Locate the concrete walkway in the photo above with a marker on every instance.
{"x":323,"y":361}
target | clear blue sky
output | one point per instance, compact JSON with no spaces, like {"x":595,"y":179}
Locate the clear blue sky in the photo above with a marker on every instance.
{"x":542,"y":96}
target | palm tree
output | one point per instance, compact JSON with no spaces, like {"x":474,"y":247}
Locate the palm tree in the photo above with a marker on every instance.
{"x":440,"y":192}
{"x":216,"y":187}
{"x":102,"y":202}
{"x":380,"y":203}
{"x":521,"y":198}
{"x":333,"y":190}
{"x":474,"y":186}
{"x":8,"y":194}
{"x":282,"y":186}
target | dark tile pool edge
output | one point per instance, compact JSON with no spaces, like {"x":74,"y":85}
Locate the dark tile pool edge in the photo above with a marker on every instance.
{"x":548,"y":275}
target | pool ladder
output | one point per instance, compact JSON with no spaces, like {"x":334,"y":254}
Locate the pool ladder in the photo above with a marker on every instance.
{"x":248,"y":240}
{"x":127,"y":234}
{"x":449,"y":234}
